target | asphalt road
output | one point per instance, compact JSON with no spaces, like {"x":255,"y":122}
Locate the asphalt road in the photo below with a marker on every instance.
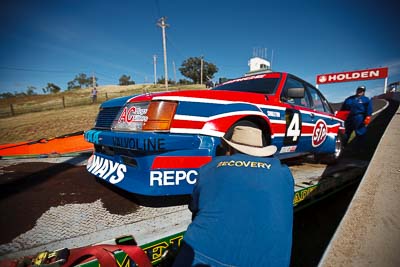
{"x":27,"y":190}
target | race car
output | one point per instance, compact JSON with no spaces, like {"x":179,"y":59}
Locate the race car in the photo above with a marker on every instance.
{"x":154,"y":144}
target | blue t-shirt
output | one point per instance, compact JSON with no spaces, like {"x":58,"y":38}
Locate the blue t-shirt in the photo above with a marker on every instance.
{"x":243,"y":208}
{"x":358,"y":105}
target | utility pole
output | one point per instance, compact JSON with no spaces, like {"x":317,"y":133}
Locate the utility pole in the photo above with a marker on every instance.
{"x":155,"y":68}
{"x":163,"y":25}
{"x":173,"y":64}
{"x":93,"y":81}
{"x":201,"y":70}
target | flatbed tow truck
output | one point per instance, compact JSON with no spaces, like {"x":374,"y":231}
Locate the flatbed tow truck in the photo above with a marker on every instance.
{"x":312,"y":182}
{"x":158,"y":230}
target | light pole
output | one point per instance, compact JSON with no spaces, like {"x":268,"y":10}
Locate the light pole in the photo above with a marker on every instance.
{"x":155,"y":68}
{"x":163,"y":25}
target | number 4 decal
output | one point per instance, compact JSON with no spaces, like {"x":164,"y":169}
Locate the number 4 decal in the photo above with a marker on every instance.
{"x":293,"y":127}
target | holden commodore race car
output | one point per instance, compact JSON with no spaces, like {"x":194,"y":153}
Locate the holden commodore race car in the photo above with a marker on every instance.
{"x":154,"y":144}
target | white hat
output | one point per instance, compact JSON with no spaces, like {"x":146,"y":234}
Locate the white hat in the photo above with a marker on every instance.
{"x":248,"y":140}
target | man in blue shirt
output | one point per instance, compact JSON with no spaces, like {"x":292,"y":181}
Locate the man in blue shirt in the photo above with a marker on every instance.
{"x":360,"y":108}
{"x":242,"y":207}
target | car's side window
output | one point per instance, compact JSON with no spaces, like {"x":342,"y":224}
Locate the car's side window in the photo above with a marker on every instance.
{"x":327,"y":107}
{"x":317,"y":102}
{"x":293,"y":83}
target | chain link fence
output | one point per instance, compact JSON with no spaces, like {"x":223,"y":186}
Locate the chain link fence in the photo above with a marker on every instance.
{"x":14,"y":106}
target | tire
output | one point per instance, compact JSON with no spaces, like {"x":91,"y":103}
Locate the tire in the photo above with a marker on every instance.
{"x":339,"y":147}
{"x":333,"y":157}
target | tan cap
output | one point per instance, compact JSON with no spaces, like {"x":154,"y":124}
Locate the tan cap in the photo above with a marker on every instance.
{"x":248,"y":140}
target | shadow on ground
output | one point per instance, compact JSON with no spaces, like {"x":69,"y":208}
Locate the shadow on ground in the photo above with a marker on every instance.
{"x":315,"y":225}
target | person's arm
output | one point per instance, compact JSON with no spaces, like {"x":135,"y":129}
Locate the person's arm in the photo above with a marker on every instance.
{"x":369,"y":108}
{"x":194,"y":201}
{"x":345,"y":106}
{"x":368,"y":112}
{"x":288,"y":174}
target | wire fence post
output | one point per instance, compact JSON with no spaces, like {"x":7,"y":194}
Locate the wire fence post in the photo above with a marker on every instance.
{"x":12,"y":110}
{"x":63,"y":101}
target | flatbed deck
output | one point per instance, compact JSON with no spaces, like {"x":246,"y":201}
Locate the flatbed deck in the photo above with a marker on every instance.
{"x":75,"y":225}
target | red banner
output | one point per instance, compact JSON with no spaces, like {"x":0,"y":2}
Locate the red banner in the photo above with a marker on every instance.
{"x":351,"y":76}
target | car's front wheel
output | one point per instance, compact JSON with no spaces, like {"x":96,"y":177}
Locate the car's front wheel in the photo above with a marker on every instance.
{"x":333,"y":157}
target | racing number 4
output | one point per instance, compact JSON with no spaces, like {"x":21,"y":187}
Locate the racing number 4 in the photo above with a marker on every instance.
{"x":293,"y":127}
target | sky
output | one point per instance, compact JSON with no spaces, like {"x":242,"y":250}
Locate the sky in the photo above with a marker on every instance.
{"x":52,"y":41}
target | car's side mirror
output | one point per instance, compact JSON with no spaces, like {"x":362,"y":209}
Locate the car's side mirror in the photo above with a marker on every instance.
{"x":295,"y":92}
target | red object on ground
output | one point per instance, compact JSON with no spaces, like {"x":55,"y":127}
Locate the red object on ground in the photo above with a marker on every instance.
{"x":342,"y":114}
{"x":57,"y":145}
{"x":104,"y":254}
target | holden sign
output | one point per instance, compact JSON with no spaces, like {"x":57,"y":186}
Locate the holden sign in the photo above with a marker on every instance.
{"x":351,"y":76}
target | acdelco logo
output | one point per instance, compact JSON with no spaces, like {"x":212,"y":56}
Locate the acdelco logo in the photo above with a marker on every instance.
{"x":131,"y":114}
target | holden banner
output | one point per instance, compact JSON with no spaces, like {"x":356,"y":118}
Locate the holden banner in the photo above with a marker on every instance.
{"x":351,"y":76}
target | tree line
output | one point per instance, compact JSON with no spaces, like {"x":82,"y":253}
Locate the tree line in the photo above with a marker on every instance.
{"x":190,"y":68}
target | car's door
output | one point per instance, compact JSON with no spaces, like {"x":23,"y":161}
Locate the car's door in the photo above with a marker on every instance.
{"x":322,"y":118}
{"x":297,"y":116}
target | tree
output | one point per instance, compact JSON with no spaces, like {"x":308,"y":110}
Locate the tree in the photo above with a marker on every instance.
{"x":72,"y":85}
{"x":6,"y":95}
{"x":191,"y":68}
{"x":184,"y":82}
{"x":31,"y":90}
{"x":51,"y":88}
{"x":125,"y":80}
{"x":161,"y":80}
{"x":82,"y":80}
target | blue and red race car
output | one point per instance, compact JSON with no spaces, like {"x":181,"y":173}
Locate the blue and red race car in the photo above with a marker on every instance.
{"x":154,"y":144}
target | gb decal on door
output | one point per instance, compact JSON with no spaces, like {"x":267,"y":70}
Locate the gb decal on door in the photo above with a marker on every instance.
{"x":293,"y":127}
{"x":319,"y":133}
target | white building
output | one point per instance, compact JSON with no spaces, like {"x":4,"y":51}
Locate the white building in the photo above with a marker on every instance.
{"x":258,"y":65}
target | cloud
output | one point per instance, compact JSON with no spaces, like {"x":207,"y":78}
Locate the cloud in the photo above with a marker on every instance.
{"x":82,"y":56}
{"x":394,"y":67}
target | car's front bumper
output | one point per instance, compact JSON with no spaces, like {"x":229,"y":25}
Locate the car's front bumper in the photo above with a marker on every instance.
{"x":150,"y":163}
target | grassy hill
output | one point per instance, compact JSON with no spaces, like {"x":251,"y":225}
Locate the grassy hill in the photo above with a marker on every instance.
{"x":45,"y":116}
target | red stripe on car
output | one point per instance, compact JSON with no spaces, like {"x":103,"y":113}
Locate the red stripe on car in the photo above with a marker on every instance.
{"x":177,"y":162}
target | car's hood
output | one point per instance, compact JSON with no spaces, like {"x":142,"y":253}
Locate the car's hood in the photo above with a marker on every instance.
{"x":117,"y":102}
{"x":204,"y":95}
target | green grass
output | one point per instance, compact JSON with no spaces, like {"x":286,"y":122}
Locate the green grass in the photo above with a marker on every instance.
{"x":43,"y":116}
{"x":77,"y":97}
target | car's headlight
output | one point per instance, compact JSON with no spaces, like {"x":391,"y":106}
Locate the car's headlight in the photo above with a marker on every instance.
{"x":160,"y":115}
{"x":145,"y":116}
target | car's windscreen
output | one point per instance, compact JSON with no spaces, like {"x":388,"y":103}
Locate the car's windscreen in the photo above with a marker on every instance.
{"x":261,"y":86}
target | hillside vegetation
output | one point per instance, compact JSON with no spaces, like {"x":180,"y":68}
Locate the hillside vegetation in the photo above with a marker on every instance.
{"x":43,"y":116}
